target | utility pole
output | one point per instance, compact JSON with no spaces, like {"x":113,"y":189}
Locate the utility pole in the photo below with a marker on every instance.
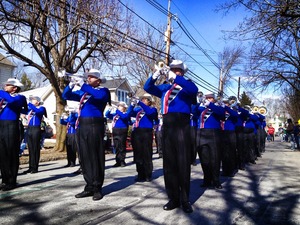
{"x":221,"y":81}
{"x":239,"y":87}
{"x":168,"y":35}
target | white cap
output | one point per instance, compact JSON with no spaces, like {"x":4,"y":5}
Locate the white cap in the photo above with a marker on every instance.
{"x":210,"y":95}
{"x":178,"y":64}
{"x":95,"y":73}
{"x":122,"y":104}
{"x":147,"y":96}
{"x":14,"y":82}
{"x":36,"y":98}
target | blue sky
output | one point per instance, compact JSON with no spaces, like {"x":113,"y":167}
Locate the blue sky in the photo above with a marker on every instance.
{"x":204,"y":24}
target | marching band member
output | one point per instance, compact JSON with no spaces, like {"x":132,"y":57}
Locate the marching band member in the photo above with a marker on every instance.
{"x":92,"y":100}
{"x":12,"y":105}
{"x":177,"y":97}
{"x":35,"y":115}
{"x":142,"y":129}
{"x":70,"y":141}
{"x":158,"y":135}
{"x":249,"y":134}
{"x":239,"y":131}
{"x":209,"y":140}
{"x":257,"y":145}
{"x":228,"y":149}
{"x":194,"y":125}
{"x":120,"y":124}
{"x":262,"y":134}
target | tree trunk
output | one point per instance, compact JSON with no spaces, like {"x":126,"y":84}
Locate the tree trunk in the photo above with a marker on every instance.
{"x":61,"y":130}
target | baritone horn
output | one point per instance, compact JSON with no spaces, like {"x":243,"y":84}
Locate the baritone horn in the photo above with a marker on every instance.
{"x":262,"y":110}
{"x":255,"y":109}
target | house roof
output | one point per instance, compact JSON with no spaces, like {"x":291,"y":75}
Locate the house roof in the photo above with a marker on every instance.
{"x":5,"y":61}
{"x":42,"y":92}
{"x":114,"y":84}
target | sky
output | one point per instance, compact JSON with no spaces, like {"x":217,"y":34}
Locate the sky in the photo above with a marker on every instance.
{"x":203,"y":23}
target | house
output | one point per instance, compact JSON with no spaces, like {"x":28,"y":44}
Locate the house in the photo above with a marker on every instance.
{"x":6,"y":68}
{"x":119,"y":89}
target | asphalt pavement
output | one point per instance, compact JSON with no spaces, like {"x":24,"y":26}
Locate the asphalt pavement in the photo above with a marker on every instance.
{"x":265,"y":193}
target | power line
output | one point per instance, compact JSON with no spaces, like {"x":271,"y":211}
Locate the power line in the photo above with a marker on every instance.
{"x":194,"y":27}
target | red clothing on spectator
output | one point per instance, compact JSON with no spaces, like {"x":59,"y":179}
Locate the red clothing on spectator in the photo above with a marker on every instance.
{"x":271,"y":130}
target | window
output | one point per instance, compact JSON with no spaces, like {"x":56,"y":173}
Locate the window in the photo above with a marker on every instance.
{"x":122,"y":96}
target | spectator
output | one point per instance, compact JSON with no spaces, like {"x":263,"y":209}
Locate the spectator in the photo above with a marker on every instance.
{"x":296,"y":132}
{"x":281,"y":133}
{"x":271,"y":132}
{"x":289,"y":133}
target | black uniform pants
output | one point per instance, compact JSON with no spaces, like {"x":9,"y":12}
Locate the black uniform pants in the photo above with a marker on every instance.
{"x":208,"y":145}
{"x":9,"y":151}
{"x":193,"y":143}
{"x":120,"y":137}
{"x":142,"y":150}
{"x":34,"y":146}
{"x":71,"y":146}
{"x":158,"y":140}
{"x":228,"y":152}
{"x":241,"y":153}
{"x":91,"y":151}
{"x":249,"y":144}
{"x":177,"y":155}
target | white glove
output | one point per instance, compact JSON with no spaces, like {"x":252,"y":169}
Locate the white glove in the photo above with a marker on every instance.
{"x":72,"y":82}
{"x":206,"y":102}
{"x":223,"y":105}
{"x":79,"y":81}
{"x":171,"y":76}
{"x":156,"y":74}
{"x":113,"y":110}
{"x":64,"y":116}
{"x":134,"y":102}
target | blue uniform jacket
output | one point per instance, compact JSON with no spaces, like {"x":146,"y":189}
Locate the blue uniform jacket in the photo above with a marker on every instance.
{"x":211,"y":116}
{"x":13,"y":106}
{"x":37,"y":114}
{"x":174,"y":98}
{"x":70,"y":121}
{"x":96,"y":99}
{"x":147,"y":117}
{"x":122,"y":119}
{"x":231,"y":118}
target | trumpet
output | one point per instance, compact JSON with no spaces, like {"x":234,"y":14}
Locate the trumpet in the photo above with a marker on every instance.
{"x":132,"y":96}
{"x":162,"y":67}
{"x":67,"y":75}
{"x":233,"y":101}
{"x":71,"y":109}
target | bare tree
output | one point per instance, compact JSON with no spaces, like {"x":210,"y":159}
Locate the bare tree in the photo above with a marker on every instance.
{"x":272,"y":29}
{"x":145,"y":50}
{"x":230,"y":58}
{"x":69,"y":34}
{"x":292,"y":104}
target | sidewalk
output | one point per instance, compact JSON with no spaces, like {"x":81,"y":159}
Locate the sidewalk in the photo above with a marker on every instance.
{"x":265,"y":193}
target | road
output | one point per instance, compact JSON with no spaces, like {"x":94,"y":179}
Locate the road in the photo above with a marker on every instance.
{"x":265,"y":193}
